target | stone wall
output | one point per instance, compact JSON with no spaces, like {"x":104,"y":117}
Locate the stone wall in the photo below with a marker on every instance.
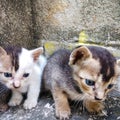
{"x":27,"y":22}
{"x":65,"y":19}
{"x":16,"y":23}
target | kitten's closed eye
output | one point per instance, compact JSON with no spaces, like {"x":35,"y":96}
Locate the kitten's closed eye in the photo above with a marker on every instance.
{"x":90,"y":82}
{"x":6,"y":74}
{"x":25,"y":74}
{"x":110,"y":86}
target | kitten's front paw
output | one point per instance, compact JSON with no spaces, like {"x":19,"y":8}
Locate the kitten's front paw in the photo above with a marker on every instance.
{"x":63,"y":114}
{"x":29,"y":104}
{"x":3,"y":107}
{"x":94,"y":106}
{"x":15,"y":100}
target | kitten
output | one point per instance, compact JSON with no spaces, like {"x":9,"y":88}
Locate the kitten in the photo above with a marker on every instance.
{"x":5,"y":95}
{"x":21,"y":71}
{"x":87,"y":73}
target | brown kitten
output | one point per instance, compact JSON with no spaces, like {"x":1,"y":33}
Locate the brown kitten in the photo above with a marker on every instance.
{"x":87,"y":73}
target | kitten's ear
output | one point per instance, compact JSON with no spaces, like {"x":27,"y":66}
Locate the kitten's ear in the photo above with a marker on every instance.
{"x":2,"y":51}
{"x":81,"y":53}
{"x":36,"y":53}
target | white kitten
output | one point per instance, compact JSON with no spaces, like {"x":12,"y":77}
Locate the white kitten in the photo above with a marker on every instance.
{"x":21,"y":71}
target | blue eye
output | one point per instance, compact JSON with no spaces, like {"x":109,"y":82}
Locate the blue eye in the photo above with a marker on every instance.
{"x":25,"y":74}
{"x":110,"y":86}
{"x":7,"y":74}
{"x":90,"y":82}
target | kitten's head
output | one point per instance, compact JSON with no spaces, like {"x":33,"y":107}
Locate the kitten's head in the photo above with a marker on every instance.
{"x":16,"y":65}
{"x":95,"y":70}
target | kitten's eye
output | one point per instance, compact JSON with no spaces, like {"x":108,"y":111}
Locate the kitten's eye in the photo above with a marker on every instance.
{"x":110,"y":86}
{"x":25,"y":74}
{"x":89,"y":82}
{"x":8,"y":74}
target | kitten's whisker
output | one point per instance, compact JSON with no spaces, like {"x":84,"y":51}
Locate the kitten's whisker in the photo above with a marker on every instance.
{"x":116,"y":89}
{"x":76,"y":105}
{"x":78,"y":100}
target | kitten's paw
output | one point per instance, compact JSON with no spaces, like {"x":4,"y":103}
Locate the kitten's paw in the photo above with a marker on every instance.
{"x":15,"y":100}
{"x":3,"y":107}
{"x":62,"y":107}
{"x":94,"y":106}
{"x":29,"y":104}
{"x":63,"y":114}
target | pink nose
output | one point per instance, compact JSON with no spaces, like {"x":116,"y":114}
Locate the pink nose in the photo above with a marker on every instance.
{"x":16,"y":84}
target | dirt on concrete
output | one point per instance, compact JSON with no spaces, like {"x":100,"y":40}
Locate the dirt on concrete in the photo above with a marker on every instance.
{"x":45,"y":110}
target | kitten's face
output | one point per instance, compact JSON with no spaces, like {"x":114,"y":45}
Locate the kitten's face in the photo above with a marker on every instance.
{"x":95,"y":74}
{"x":16,"y":66}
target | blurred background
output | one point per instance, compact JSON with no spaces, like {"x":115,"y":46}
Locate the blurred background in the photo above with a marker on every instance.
{"x":32,"y":23}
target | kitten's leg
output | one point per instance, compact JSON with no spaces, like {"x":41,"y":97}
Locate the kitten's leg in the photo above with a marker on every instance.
{"x":93,"y":106}
{"x":3,"y":107}
{"x":61,"y":104}
{"x":16,"y":98}
{"x":32,"y":95}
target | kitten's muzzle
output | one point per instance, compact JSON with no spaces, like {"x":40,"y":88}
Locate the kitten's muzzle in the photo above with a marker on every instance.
{"x":99,"y":95}
{"x":96,"y":98}
{"x":16,"y":84}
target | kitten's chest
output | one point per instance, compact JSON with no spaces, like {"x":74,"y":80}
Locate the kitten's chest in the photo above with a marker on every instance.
{"x":75,"y":95}
{"x":23,"y":89}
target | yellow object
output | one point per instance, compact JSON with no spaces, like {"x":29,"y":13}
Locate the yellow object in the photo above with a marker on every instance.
{"x":82,"y":37}
{"x":50,"y":47}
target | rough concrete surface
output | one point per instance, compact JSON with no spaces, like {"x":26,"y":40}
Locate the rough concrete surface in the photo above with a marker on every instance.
{"x":45,"y":110}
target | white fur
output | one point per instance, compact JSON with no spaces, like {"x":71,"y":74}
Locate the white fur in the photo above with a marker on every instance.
{"x":32,"y":83}
{"x":16,"y":98}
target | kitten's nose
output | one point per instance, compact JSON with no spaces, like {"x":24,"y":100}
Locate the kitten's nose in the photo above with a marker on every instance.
{"x":96,"y":98}
{"x":16,"y":84}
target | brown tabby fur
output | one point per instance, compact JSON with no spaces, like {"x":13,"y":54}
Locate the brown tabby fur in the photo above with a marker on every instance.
{"x":67,"y":73}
